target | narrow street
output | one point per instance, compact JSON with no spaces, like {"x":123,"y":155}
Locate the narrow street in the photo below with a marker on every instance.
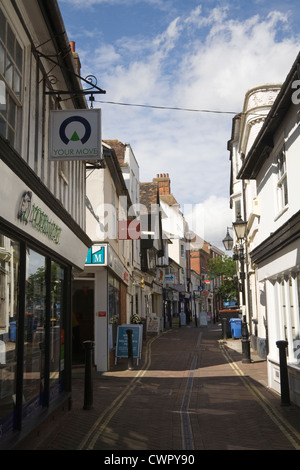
{"x":190,"y":392}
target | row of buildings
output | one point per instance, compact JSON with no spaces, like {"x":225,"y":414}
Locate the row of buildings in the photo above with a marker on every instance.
{"x":264,"y":197}
{"x":144,"y":265}
{"x":84,"y":245}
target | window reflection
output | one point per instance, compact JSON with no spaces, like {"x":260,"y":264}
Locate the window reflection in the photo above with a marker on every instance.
{"x":56,"y":328}
{"x":34,"y":333}
{"x":9,"y":285}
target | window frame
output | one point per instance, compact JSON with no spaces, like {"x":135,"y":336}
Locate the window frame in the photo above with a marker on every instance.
{"x":12,"y":93}
{"x":281,"y":183}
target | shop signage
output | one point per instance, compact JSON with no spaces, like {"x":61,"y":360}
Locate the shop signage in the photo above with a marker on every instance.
{"x":114,"y":262}
{"x":96,"y":255}
{"x":101,"y":314}
{"x":75,"y":135}
{"x":153,"y":324}
{"x":32,"y":214}
{"x":122,"y":341}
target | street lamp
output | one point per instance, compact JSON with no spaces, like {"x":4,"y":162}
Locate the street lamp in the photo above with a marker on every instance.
{"x":240,"y":227}
{"x":228,"y":241}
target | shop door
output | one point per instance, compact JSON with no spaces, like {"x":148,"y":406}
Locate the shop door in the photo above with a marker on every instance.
{"x":82,"y":318}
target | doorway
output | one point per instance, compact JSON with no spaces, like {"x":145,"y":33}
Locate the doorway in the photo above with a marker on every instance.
{"x":82,"y":318}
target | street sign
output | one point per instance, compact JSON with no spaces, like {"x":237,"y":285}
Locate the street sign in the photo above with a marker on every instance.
{"x":75,"y":135}
{"x":96,"y":255}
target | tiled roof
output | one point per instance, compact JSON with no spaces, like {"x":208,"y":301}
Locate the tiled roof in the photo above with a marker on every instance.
{"x":119,"y":149}
{"x":148,"y":194}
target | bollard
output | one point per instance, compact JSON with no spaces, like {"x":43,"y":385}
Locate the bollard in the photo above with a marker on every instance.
{"x":246,"y":359}
{"x":88,"y":386}
{"x":224,"y":328}
{"x":284,"y":378}
{"x":130,"y":349}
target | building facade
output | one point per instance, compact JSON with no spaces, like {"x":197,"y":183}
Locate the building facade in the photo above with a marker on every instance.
{"x":42,"y":218}
{"x":108,"y":273}
{"x":244,"y":203}
{"x":272,"y":164}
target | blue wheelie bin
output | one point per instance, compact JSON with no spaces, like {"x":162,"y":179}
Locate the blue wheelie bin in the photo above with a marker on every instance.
{"x":236,"y":328}
{"x":13,"y":331}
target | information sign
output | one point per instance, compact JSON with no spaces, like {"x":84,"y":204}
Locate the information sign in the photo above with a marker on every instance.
{"x":122,"y":341}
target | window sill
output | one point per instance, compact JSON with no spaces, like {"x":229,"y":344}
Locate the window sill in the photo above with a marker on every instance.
{"x":281,"y":213}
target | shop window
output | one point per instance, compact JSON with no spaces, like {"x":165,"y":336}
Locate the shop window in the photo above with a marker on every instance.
{"x":289,"y":314}
{"x":31,"y":333}
{"x":34,"y":333}
{"x":9,"y":290}
{"x":11,"y":70}
{"x":56,"y":329}
{"x":114,"y":299}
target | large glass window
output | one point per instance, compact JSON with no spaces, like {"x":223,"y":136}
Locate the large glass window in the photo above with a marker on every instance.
{"x":11,"y":70}
{"x":289,"y":314}
{"x":34,"y":333}
{"x":9,"y":289}
{"x":113,"y":308}
{"x":57,"y":340}
{"x":32,"y":339}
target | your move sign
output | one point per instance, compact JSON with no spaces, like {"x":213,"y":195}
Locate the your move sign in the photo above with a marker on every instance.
{"x":75,"y":135}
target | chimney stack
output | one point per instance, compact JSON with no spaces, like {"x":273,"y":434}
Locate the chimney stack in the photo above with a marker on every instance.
{"x":164,"y":184}
{"x":75,"y":57}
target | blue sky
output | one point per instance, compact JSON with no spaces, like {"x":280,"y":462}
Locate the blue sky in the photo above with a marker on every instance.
{"x":186,"y":54}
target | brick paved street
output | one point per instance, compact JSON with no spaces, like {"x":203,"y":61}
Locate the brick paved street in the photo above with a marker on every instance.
{"x":190,"y":392}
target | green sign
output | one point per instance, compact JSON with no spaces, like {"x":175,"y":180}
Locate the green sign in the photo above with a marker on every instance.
{"x":96,"y":255}
{"x":29,"y":213}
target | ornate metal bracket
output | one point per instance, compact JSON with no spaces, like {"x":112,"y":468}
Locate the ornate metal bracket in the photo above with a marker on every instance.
{"x":90,"y":80}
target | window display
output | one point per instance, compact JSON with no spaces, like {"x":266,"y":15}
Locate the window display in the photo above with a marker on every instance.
{"x":9,"y":284}
{"x":32,"y":339}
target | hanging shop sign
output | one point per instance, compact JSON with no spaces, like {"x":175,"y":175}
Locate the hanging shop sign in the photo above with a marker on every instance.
{"x":30,"y":213}
{"x":75,"y":135}
{"x":96,"y":256}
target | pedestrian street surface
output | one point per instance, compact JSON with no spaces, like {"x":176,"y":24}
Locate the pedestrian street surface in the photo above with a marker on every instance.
{"x":190,"y":392}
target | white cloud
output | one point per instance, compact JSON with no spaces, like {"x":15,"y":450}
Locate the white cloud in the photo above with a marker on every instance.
{"x":210,"y":219}
{"x":200,"y":61}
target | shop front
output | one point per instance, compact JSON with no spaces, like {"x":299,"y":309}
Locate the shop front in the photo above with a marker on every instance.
{"x":38,"y":249}
{"x":111,"y":280}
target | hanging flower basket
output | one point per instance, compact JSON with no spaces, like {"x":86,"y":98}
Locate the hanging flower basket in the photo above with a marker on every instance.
{"x":135,"y":318}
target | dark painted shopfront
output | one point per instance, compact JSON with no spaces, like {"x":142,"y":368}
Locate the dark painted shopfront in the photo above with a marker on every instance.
{"x":39,"y":246}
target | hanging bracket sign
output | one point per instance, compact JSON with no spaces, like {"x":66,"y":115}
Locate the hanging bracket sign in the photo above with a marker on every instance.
{"x":75,"y":135}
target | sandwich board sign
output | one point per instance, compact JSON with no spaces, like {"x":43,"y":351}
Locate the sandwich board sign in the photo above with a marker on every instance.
{"x":122,"y":341}
{"x":75,"y":134}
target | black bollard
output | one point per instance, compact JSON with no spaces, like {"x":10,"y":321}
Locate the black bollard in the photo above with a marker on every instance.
{"x":130,"y":349}
{"x":88,"y":386}
{"x":246,"y":359}
{"x":224,"y":328}
{"x":284,"y":378}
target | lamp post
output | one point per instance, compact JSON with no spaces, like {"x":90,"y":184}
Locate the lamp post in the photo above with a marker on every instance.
{"x":240,"y":227}
{"x":228,"y":241}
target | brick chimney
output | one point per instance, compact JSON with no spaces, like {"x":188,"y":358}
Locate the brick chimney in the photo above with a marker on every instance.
{"x":75,"y":57}
{"x":164,"y":184}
